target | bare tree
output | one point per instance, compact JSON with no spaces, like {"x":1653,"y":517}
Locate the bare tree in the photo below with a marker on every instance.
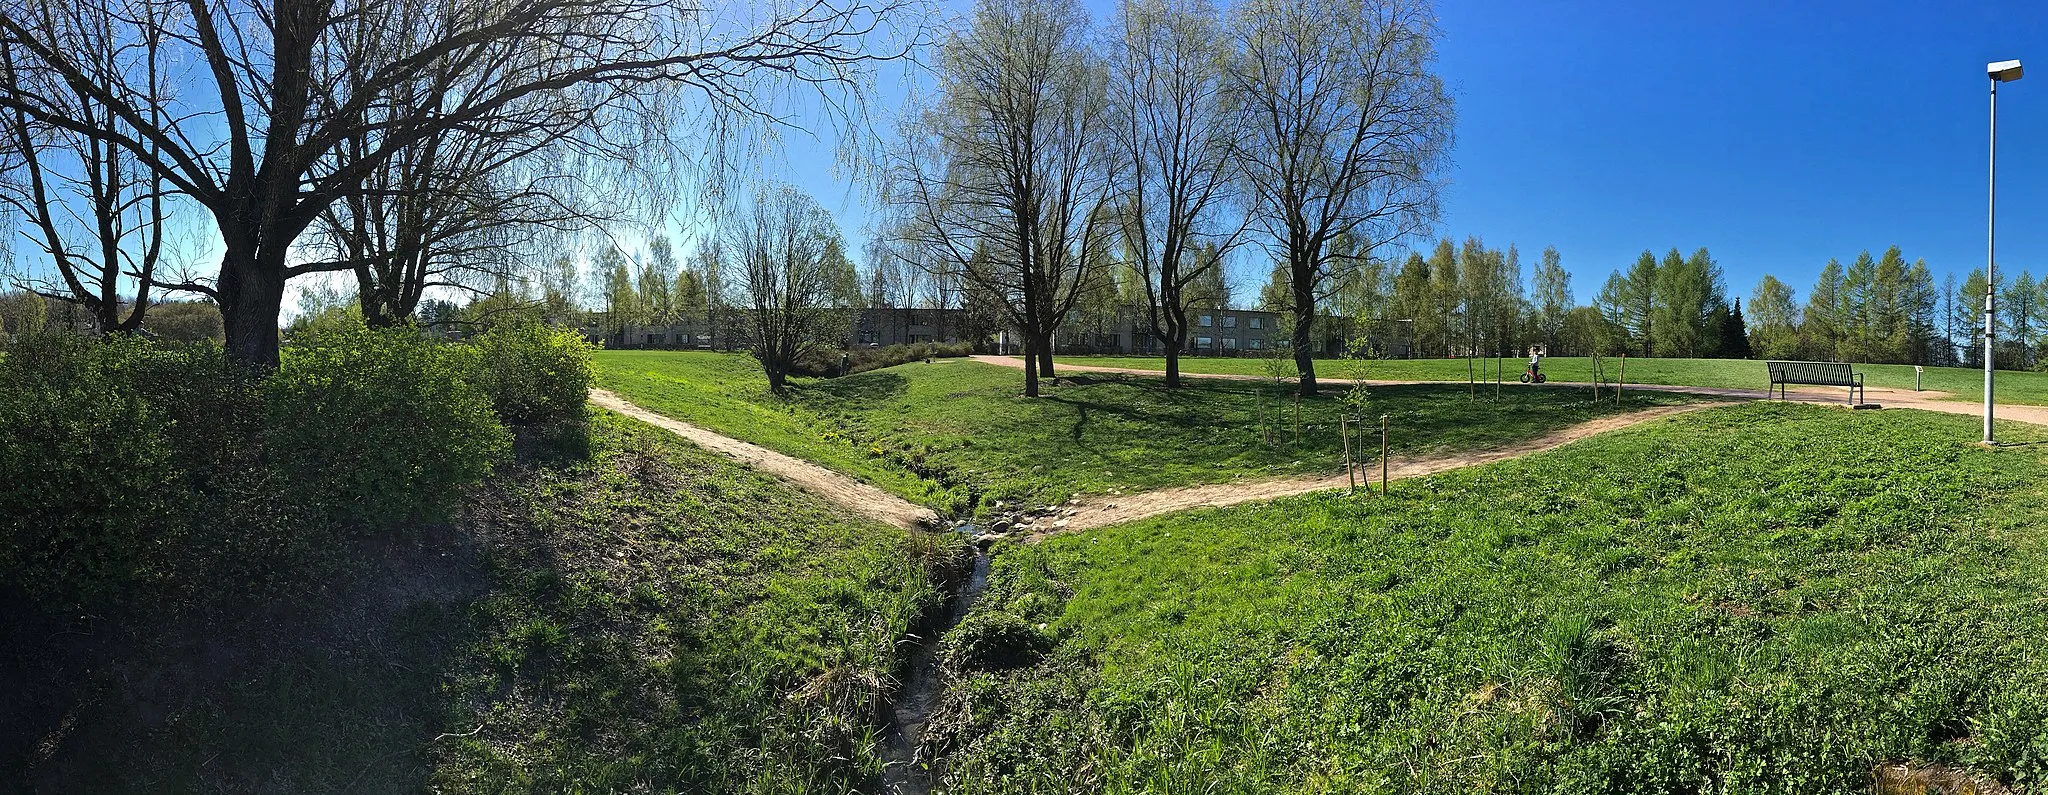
{"x":1174,"y":134}
{"x":275,"y":89}
{"x":1346,"y":129}
{"x":97,"y":212}
{"x":1008,"y":161}
{"x":781,"y":246}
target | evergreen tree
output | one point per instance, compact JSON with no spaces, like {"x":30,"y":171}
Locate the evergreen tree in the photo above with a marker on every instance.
{"x":1734,"y":341}
{"x":1820,"y":329}
{"x":1636,"y":299}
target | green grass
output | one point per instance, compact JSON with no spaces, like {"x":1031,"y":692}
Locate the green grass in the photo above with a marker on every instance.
{"x":662,"y":620}
{"x":2019,"y":387}
{"x":1757,"y":598}
{"x":956,"y":435}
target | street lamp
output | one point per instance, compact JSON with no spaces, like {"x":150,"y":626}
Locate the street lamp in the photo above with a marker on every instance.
{"x":2000,"y":72}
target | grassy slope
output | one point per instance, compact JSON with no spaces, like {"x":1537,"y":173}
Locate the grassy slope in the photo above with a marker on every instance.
{"x":663,"y":620}
{"x":1761,"y":598}
{"x":651,"y":618}
{"x":2013,"y":386}
{"x":955,"y":434}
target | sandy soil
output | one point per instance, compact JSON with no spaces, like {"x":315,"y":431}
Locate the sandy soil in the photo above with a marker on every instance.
{"x":1100,"y":511}
{"x":834,"y":487}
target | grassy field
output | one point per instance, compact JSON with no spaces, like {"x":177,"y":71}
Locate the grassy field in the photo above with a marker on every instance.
{"x":1757,"y":598}
{"x":2024,"y":388}
{"x":651,"y":618}
{"x":956,"y":435}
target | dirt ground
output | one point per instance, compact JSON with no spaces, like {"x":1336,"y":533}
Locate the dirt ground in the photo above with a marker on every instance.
{"x":834,"y":487}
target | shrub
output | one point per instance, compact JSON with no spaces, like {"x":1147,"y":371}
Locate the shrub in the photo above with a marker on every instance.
{"x":383,"y":426}
{"x":534,"y":374}
{"x":85,"y":467}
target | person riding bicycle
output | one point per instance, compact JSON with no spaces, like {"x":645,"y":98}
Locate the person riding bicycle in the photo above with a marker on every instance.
{"x":1535,"y":373}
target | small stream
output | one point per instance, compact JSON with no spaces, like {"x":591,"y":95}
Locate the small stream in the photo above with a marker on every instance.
{"x":902,"y":772}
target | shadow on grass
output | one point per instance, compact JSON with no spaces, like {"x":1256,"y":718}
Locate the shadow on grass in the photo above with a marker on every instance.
{"x":869,"y":387}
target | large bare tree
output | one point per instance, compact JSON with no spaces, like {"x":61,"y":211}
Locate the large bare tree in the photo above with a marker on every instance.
{"x":1174,"y":132}
{"x":781,"y":245}
{"x":268,"y":94}
{"x":1346,"y":131}
{"x":1008,"y":160}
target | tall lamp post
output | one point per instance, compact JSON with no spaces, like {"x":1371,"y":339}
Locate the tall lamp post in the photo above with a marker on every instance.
{"x":2000,"y":72}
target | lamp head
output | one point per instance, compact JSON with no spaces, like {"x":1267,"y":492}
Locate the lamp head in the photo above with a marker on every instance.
{"x":2004,"y":71}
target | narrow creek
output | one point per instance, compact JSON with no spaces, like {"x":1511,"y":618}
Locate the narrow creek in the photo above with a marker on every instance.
{"x":903,"y":773}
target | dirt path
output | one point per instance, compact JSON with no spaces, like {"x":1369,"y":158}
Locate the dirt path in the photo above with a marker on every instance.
{"x":834,"y":487}
{"x":1101,"y":511}
{"x":1929,"y":400}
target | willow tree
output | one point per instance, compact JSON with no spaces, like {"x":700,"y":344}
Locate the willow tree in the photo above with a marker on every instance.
{"x":285,"y":107}
{"x":1008,"y":160}
{"x":782,"y":247}
{"x":1345,"y":131}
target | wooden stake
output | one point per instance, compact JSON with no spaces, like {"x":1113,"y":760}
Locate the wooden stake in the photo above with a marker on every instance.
{"x":1344,"y":428}
{"x":1383,"y":455}
{"x":1620,"y":378}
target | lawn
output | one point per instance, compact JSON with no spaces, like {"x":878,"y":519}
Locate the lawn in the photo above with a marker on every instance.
{"x":957,"y":436}
{"x":2020,"y":387}
{"x":1754,"y":598}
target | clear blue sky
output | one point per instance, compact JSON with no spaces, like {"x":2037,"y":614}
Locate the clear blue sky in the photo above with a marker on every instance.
{"x":1776,"y":134}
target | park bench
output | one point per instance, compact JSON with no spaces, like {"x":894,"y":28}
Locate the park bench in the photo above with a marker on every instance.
{"x":1817,"y":374}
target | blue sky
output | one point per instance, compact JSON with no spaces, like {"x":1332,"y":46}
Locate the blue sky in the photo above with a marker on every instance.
{"x":1776,"y":134}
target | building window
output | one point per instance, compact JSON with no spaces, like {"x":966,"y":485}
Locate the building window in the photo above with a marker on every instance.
{"x":1230,"y":343}
{"x":1255,"y":342}
{"x":1207,"y":321}
{"x":1258,"y":322}
{"x":1203,"y":342}
{"x":654,"y":339}
{"x":1230,"y":321}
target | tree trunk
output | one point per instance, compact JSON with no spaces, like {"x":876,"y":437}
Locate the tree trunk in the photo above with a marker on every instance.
{"x":1030,"y":368}
{"x":1304,"y":352}
{"x":251,"y":297}
{"x":1045,"y":357}
{"x":1172,"y":365}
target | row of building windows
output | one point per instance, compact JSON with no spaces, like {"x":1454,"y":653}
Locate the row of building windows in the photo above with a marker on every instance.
{"x":1230,"y":343}
{"x":1230,"y":321}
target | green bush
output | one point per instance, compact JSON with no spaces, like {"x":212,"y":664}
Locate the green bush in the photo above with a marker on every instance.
{"x":534,"y":374}
{"x":85,"y":468}
{"x":382,"y":426}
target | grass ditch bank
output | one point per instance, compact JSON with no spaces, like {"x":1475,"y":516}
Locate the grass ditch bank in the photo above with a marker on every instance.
{"x":646,"y":617}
